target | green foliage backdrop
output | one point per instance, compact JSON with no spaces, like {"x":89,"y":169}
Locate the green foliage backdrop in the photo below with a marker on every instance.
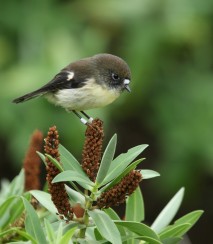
{"x":168,"y":45}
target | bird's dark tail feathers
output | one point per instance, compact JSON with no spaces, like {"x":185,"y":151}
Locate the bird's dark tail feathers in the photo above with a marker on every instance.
{"x":28,"y":96}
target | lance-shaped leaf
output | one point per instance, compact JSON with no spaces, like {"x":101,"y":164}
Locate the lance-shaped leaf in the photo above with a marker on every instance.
{"x":175,"y":231}
{"x":32,"y":223}
{"x":68,"y":161}
{"x":138,"y":228}
{"x":148,"y":174}
{"x":42,"y":157}
{"x":190,"y":218}
{"x":105,"y":226}
{"x":55,"y":162}
{"x":169,"y":211}
{"x":121,"y":162}
{"x":69,"y":175}
{"x":11,"y":209}
{"x":119,"y":177}
{"x":44,"y":199}
{"x":51,"y":236}
{"x":106,"y":160}
{"x":75,"y":197}
{"x":68,"y":235}
{"x":135,"y":207}
{"x":182,"y":225}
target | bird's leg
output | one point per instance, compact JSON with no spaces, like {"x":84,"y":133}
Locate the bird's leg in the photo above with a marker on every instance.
{"x":84,"y":121}
{"x":90,"y":119}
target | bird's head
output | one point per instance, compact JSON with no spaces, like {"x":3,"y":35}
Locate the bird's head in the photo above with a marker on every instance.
{"x":112,"y":71}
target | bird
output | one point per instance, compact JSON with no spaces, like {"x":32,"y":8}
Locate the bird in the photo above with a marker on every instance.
{"x":88,"y":83}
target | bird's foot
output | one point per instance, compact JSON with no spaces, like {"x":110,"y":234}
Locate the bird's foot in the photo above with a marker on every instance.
{"x":86,"y":121}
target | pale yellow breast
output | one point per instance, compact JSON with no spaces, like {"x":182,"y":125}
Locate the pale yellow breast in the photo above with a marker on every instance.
{"x":88,"y":97}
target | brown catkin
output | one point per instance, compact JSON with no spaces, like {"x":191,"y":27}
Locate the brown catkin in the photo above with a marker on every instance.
{"x":92,"y":149}
{"x":32,"y":162}
{"x":118,"y":193}
{"x":57,"y":190}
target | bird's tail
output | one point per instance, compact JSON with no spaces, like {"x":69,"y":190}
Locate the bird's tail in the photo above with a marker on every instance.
{"x":29,"y":96}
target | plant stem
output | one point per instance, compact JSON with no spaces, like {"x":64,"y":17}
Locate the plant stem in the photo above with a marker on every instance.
{"x":88,"y":206}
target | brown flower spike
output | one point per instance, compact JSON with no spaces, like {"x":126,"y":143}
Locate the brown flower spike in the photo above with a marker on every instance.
{"x":118,"y":193}
{"x":32,"y":162}
{"x":92,"y":149}
{"x":57,"y":190}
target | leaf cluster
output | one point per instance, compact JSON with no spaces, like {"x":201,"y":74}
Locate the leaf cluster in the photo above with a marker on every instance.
{"x":43,"y":225}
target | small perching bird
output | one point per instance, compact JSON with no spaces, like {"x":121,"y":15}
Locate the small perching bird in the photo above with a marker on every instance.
{"x":86,"y":84}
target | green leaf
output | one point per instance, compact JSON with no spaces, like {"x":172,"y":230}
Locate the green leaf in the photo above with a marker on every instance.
{"x":17,"y":210}
{"x":27,"y":236}
{"x":4,"y":192}
{"x":121,"y":162}
{"x":69,"y":175}
{"x":112,"y":214}
{"x":135,"y":207}
{"x":55,"y":162}
{"x":132,"y":238}
{"x":106,"y":160}
{"x":49,"y":231}
{"x":122,"y":174}
{"x":68,"y":235}
{"x":17,"y":185}
{"x":32,"y":223}
{"x":138,"y":228}
{"x":175,"y":231}
{"x":75,"y":196}
{"x":148,"y":174}
{"x":59,"y":232}
{"x":69,"y":226}
{"x":69,"y":162}
{"x":98,"y":237}
{"x":168,"y":213}
{"x":148,"y":240}
{"x":172,"y":240}
{"x":20,"y":232}
{"x":45,"y":200}
{"x":105,"y":226}
{"x":42,"y":157}
{"x":190,"y":218}
{"x":6,"y":232}
{"x":182,"y":225}
{"x":5,"y":211}
{"x":10,"y":210}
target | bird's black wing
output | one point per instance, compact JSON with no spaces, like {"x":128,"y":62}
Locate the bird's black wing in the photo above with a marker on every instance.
{"x":60,"y":81}
{"x":63,"y":81}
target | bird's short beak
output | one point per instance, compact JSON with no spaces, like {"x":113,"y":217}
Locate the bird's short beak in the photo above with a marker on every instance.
{"x":126,"y":85}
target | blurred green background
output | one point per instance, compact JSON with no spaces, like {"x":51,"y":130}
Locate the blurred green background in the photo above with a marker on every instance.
{"x":169,"y":46}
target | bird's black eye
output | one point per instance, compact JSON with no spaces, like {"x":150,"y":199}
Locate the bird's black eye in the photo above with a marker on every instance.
{"x":115,"y":77}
